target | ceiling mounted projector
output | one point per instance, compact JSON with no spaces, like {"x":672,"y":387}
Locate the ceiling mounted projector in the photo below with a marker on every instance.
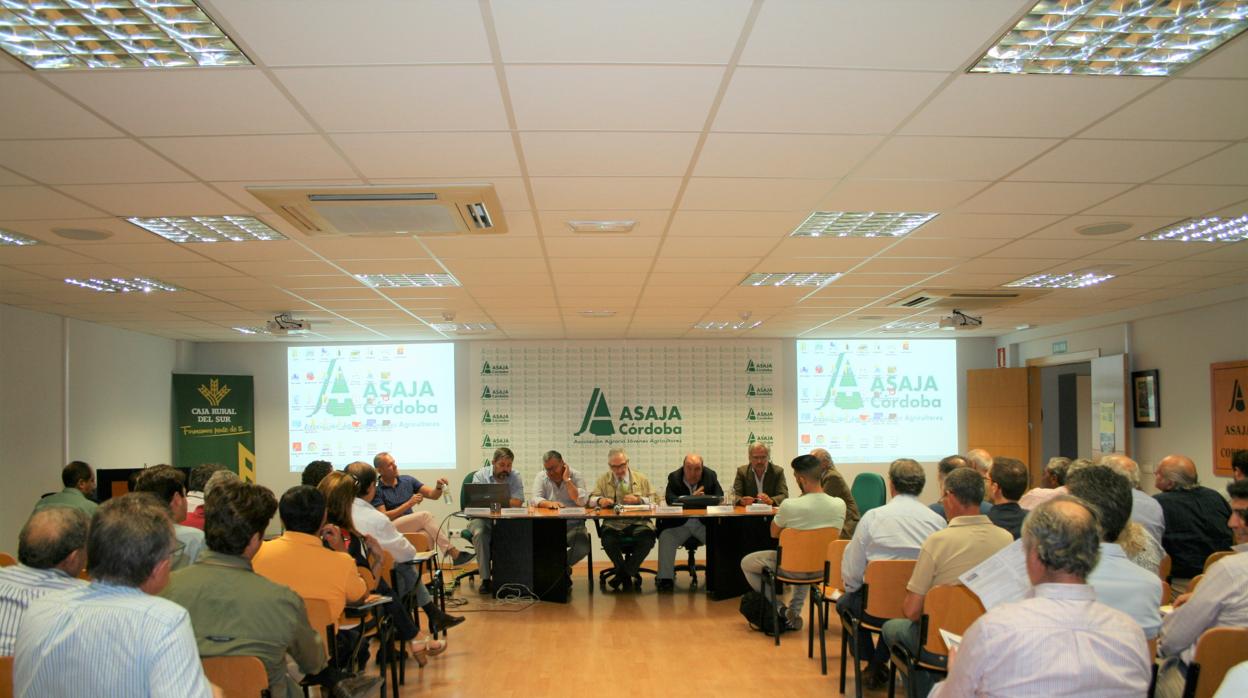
{"x":958,"y":320}
{"x":287,"y":324}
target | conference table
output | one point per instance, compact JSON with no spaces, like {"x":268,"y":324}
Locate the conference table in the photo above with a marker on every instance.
{"x":530,"y":550}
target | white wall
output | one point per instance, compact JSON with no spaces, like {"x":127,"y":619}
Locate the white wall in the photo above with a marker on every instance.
{"x":75,"y":390}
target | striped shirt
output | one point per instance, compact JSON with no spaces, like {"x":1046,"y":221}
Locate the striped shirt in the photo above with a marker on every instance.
{"x":19,"y":585}
{"x":107,"y":640}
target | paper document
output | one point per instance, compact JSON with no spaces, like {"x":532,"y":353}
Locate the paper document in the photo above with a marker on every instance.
{"x":1001,"y":578}
{"x":664,"y":509}
{"x":476,"y":511}
{"x":951,"y":641}
{"x":1167,"y":609}
{"x":719,"y":509}
{"x":572,"y":511}
{"x":760,"y":508}
{"x":515,"y":511}
{"x":635,"y":507}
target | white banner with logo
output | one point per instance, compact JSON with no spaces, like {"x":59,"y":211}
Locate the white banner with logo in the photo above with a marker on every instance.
{"x":658,"y":400}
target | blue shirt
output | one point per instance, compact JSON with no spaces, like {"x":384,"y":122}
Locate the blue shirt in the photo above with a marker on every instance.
{"x":515,"y":486}
{"x":19,"y":586}
{"x":397,"y":496}
{"x":1126,"y":586}
{"x":107,"y":640}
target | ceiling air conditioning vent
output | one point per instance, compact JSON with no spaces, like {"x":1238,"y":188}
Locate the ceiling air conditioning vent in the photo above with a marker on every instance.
{"x":948,"y":299}
{"x":445,"y":209}
{"x":918,"y":300}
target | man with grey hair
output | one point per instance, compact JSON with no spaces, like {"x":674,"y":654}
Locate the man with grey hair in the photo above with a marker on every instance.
{"x":1023,"y":648}
{"x":51,"y":553}
{"x":1055,"y":473}
{"x":623,"y":485}
{"x":148,"y":648}
{"x":557,"y":486}
{"x":1195,"y":519}
{"x":834,"y":485}
{"x":947,"y":465}
{"x":894,"y":531}
{"x":1145,"y":510}
{"x":760,"y":480}
{"x":498,"y":472}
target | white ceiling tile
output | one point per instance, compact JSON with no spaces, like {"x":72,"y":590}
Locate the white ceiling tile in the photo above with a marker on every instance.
{"x":564,"y":279}
{"x":887,"y":263}
{"x":735,"y":223}
{"x":897,"y":195}
{"x":1141,"y":249}
{"x":709,"y":278}
{"x":468,"y":155}
{"x":171,"y":199}
{"x":390,"y":266}
{"x":34,"y":203}
{"x":707,"y":193}
{"x":21,"y":256}
{"x":190,"y":103}
{"x":501,"y":247}
{"x":9,"y":178}
{"x":1171,"y":200}
{"x":296,"y":32}
{"x":34,"y":110}
{"x":115,"y":229}
{"x":606,"y":193}
{"x":1085,"y":160}
{"x":425,"y":98}
{"x":348,"y":247}
{"x":1229,"y":166}
{"x":608,"y":248}
{"x":88,"y":161}
{"x":612,"y":97}
{"x":1068,"y":228}
{"x":982,"y":225}
{"x":1217,"y":106}
{"x":599,"y":31}
{"x":937,"y":247}
{"x":555,"y":223}
{"x":929,"y":157}
{"x":781,"y":155}
{"x":1051,"y":248}
{"x":255,"y":157}
{"x":819,"y":33}
{"x":884,"y":283}
{"x":856,"y":248}
{"x":784,"y":264}
{"x":693,"y":266}
{"x":1022,"y":105}
{"x":573,"y":153}
{"x":1039,"y":197}
{"x":728,"y":247}
{"x":811,"y":100}
{"x":1006,"y":267}
{"x":511,"y":192}
{"x":237,"y":191}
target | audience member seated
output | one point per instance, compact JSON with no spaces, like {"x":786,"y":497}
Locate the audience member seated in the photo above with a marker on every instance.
{"x":314,"y":472}
{"x":1007,"y":481}
{"x":169,"y":485}
{"x":195,"y":494}
{"x":626,"y":541}
{"x":1061,"y":641}
{"x":760,"y":480}
{"x":1145,"y":510}
{"x":834,"y":485}
{"x":397,"y":495}
{"x":79,"y":492}
{"x":51,"y":552}
{"x":969,"y":539}
{"x":373,"y":523}
{"x":1054,"y":483}
{"x":558,"y":486}
{"x":1221,"y":600}
{"x":497,"y":472}
{"x":1195,"y":519}
{"x":812,"y":509}
{"x":691,"y":478}
{"x":1119,"y":583}
{"x":1239,"y":464}
{"x":947,"y":465}
{"x":109,"y":637}
{"x":894,"y":531}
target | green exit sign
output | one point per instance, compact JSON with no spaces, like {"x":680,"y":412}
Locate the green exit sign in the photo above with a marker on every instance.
{"x":1059,"y":347}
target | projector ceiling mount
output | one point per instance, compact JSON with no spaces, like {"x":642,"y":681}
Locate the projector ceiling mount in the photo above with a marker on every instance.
{"x":958,"y":320}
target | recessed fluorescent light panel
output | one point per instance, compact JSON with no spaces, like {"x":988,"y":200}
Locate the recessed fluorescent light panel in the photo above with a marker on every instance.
{"x":187,"y":229}
{"x":118,"y":285}
{"x":8,"y":237}
{"x":738,"y":325}
{"x":1074,"y":279}
{"x":1203,"y":230}
{"x":408,"y":280}
{"x":463,"y":327}
{"x":1113,"y":37}
{"x":250,"y":330}
{"x":795,"y":278}
{"x":76,"y":34}
{"x":909,"y":326}
{"x":859,"y":224}
{"x":602,"y":226}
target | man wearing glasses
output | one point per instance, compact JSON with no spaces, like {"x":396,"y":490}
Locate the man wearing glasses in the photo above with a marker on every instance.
{"x":627,"y":541}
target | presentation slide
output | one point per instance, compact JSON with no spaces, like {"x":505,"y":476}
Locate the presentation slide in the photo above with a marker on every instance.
{"x":348,"y":403}
{"x":876,"y":400}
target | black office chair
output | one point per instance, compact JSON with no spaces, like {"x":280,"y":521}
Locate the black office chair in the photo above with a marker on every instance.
{"x":465,"y":534}
{"x":692,"y":566}
{"x":627,"y":545}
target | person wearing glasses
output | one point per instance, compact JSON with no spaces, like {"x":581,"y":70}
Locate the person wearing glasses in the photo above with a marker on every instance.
{"x":626,"y":541}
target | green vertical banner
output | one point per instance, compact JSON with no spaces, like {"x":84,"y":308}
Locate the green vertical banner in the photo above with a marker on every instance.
{"x":214,"y":422}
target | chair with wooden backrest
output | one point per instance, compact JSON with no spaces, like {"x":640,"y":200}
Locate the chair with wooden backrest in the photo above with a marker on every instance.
{"x":800,"y":559}
{"x":1164,"y":570}
{"x":6,"y":677}
{"x":1217,"y":650}
{"x":1214,"y":557}
{"x":237,"y":677}
{"x":323,"y":622}
{"x":950,"y":607}
{"x":883,"y":591}
{"x":7,"y":560}
{"x":831,"y":591}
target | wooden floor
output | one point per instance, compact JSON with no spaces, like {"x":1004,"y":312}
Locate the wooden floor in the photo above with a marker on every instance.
{"x":641,"y":644}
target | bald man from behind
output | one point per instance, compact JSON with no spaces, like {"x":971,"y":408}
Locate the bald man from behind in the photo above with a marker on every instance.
{"x":51,"y":553}
{"x":1145,"y":510}
{"x":1195,"y":519}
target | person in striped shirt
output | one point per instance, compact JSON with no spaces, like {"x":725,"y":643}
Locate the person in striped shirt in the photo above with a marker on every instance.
{"x":52,"y":550}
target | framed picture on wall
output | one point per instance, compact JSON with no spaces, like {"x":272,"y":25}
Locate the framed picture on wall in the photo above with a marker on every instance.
{"x":1146,"y":389}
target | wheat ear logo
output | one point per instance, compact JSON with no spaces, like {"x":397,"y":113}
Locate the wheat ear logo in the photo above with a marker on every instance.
{"x":597,"y":417}
{"x":214,"y":393}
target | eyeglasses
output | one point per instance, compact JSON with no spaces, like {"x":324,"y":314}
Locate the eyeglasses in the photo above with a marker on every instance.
{"x":1242,"y":514}
{"x":175,"y":555}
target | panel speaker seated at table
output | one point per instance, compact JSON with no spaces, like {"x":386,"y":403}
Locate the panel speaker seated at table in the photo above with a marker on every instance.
{"x":693,"y":487}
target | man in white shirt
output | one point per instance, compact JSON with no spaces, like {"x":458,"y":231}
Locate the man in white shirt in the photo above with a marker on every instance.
{"x":52,"y":551}
{"x":1144,"y":509}
{"x":558,"y":486}
{"x":1060,"y":642}
{"x":894,"y":531}
{"x":169,"y":485}
{"x":813,"y":509}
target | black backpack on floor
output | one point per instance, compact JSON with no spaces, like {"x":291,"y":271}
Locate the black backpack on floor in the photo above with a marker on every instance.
{"x":755,"y":608}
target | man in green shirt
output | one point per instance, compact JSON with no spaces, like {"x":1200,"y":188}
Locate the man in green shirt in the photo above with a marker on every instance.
{"x":79,"y":481}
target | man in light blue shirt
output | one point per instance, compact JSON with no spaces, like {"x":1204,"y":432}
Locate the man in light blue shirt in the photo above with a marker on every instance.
{"x":169,"y":485}
{"x":1119,"y":583}
{"x":1144,"y":509}
{"x":114,"y":637}
{"x":497,"y":472}
{"x":559,"y":486}
{"x":52,"y":550}
{"x":894,"y":531}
